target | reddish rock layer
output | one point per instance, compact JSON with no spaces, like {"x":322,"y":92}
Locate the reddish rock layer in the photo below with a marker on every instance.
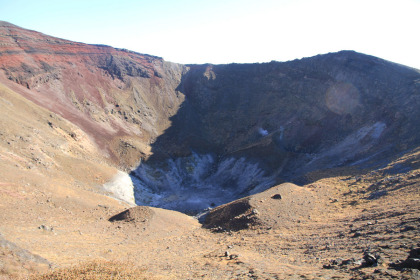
{"x":106,"y":91}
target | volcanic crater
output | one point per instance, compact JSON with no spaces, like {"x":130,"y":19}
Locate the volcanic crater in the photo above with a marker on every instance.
{"x":244,"y":128}
{"x":305,"y":169}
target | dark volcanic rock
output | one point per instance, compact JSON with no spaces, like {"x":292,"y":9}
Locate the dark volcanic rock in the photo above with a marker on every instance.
{"x":412,"y":261}
{"x":235,"y":216}
{"x":276,"y":196}
{"x":371,"y":259}
{"x":120,"y":66}
{"x":136,"y":214}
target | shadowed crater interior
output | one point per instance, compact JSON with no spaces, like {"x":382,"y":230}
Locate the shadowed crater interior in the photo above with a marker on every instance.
{"x":244,"y":128}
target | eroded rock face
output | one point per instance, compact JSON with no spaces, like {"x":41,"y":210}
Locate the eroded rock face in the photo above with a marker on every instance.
{"x":121,"y":99}
{"x":294,"y":117}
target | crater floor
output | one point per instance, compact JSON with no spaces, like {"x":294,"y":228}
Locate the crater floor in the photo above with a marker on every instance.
{"x":198,"y":182}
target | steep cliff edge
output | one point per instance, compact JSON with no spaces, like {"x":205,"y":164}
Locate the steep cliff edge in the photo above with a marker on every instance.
{"x":121,"y":99}
{"x":307,"y":114}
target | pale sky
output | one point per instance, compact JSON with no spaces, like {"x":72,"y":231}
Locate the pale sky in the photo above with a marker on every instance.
{"x":226,"y":31}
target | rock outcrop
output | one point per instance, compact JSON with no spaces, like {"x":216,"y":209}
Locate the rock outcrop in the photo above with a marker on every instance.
{"x":264,"y":210}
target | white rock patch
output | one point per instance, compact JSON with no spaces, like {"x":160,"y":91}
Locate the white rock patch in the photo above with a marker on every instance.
{"x":197,"y":182}
{"x":121,"y":187}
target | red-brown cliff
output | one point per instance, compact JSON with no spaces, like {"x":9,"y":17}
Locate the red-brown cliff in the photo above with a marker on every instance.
{"x":107,"y":92}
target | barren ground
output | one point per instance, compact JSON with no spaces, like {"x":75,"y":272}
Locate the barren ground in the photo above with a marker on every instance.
{"x":294,"y":237}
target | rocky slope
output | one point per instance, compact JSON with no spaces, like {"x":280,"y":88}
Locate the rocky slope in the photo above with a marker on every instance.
{"x":120,"y":99}
{"x":74,"y":118}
